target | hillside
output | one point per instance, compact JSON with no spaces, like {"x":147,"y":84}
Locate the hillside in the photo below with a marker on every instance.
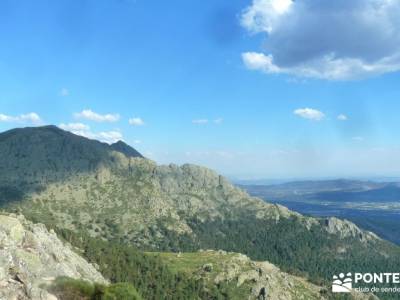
{"x":74,"y":183}
{"x":242,"y":275}
{"x":246,"y":278}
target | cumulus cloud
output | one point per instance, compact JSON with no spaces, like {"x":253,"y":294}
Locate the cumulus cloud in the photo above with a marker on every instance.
{"x":32,"y":117}
{"x":342,"y":117}
{"x":361,"y":38}
{"x":88,"y":114}
{"x":310,"y":114}
{"x":200,"y":121}
{"x":136,"y":122}
{"x":85,"y":131}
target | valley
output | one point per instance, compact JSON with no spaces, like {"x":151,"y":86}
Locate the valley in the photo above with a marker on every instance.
{"x":374,"y":206}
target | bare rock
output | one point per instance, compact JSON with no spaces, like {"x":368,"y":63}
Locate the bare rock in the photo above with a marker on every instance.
{"x":30,"y":256}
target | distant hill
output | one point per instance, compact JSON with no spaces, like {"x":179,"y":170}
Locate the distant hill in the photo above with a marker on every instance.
{"x":315,"y":186}
{"x":77,"y":184}
{"x":372,"y":205}
{"x":340,"y":190}
{"x":382,"y":193}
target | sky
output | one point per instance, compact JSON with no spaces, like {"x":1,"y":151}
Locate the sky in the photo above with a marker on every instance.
{"x":250,"y":88}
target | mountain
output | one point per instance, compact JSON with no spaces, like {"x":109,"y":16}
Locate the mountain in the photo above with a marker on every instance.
{"x":122,"y":147}
{"x":49,"y":149}
{"x":341,"y":190}
{"x":389,"y":192}
{"x":296,"y":189}
{"x":73,"y":183}
{"x":31,"y":158}
{"x":31,"y":257}
{"x":371,"y":205}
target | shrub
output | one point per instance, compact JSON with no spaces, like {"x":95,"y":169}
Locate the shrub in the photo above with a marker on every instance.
{"x":65,"y":288}
{"x":121,"y":291}
{"x":71,"y":289}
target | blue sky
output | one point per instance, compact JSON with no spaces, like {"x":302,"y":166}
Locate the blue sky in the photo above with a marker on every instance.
{"x":249,"y":88}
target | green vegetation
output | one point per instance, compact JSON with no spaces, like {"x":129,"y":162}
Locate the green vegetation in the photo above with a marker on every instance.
{"x":147,"y":273}
{"x":311,"y":253}
{"x":65,"y":288}
{"x":106,"y":202}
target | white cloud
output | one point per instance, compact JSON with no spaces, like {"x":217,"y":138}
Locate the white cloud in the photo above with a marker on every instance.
{"x":358,"y":138}
{"x":109,"y":136}
{"x":200,"y":121}
{"x":342,"y":117}
{"x":74,"y":126}
{"x":93,"y":116}
{"x":218,"y":121}
{"x":260,"y":61}
{"x":309,"y":113}
{"x":294,"y":44}
{"x":263,"y":15}
{"x":64,"y":92}
{"x":85,"y":131}
{"x":136,"y":122}
{"x":32,"y":117}
{"x":137,"y":141}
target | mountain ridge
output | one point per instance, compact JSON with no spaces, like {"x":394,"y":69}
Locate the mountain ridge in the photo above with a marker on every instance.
{"x":178,"y":208}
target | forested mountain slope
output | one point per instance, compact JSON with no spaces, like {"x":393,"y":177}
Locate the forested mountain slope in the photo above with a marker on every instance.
{"x":74,"y":183}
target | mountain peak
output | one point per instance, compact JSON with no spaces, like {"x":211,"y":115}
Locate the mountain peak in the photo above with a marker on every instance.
{"x":124,"y":148}
{"x":51,"y":134}
{"x":49,"y":150}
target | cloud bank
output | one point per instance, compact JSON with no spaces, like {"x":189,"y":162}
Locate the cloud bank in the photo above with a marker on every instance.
{"x":333,"y":40}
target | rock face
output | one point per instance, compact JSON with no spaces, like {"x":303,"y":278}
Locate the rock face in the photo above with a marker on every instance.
{"x":348,"y":229}
{"x":31,"y":256}
{"x":264,"y":280}
{"x":110,"y":190}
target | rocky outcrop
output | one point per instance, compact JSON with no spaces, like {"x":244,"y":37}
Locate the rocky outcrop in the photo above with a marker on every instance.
{"x":31,"y":257}
{"x":244,"y":278}
{"x":254,"y":280}
{"x":347,"y":229}
{"x":264,"y":280}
